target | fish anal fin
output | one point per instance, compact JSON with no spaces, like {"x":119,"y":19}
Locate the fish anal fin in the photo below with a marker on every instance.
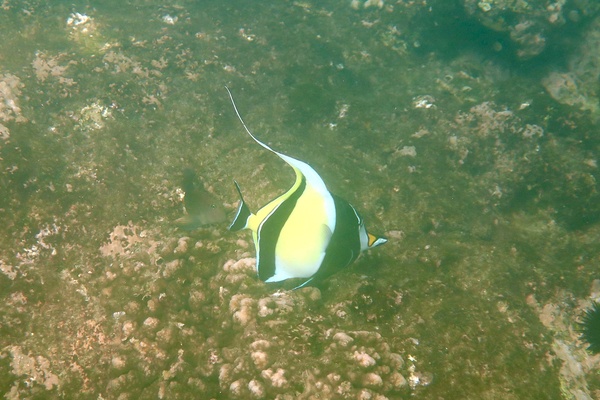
{"x":305,"y":283}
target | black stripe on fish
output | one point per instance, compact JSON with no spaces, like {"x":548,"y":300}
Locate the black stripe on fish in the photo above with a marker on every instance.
{"x":344,"y":246}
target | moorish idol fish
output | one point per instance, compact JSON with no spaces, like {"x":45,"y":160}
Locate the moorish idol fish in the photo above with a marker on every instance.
{"x":307,"y":232}
{"x":202,"y":208}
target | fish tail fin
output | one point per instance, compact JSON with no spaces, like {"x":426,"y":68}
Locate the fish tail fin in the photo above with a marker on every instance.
{"x":242,"y":215}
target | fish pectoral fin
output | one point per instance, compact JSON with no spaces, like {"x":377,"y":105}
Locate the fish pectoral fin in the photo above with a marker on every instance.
{"x":326,"y":234}
{"x":240,"y":221}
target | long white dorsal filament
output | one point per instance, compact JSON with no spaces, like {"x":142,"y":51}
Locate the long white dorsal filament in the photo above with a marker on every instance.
{"x":244,"y":124}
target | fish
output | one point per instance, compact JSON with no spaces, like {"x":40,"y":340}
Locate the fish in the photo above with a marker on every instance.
{"x":202,"y":208}
{"x":307,"y":233}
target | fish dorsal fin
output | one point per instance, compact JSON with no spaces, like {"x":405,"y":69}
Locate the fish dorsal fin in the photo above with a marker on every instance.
{"x":244,"y":124}
{"x":300,"y":167}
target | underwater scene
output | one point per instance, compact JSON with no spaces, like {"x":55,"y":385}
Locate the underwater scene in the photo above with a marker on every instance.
{"x":466,"y":133}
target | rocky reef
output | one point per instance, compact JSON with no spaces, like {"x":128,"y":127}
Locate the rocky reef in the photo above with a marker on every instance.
{"x":484,"y":179}
{"x":576,"y":85}
{"x":531,"y":26}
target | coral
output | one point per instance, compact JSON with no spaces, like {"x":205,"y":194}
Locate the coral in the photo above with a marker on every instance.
{"x":85,"y":32}
{"x":32,"y":369}
{"x":10,"y":90}
{"x":531,"y":25}
{"x":575,"y":363}
{"x":577,"y":85}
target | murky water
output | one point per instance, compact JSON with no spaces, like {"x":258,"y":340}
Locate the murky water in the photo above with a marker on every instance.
{"x":480,"y":168}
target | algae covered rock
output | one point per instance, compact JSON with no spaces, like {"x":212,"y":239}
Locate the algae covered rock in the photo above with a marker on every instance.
{"x":531,"y":25}
{"x":486,"y":186}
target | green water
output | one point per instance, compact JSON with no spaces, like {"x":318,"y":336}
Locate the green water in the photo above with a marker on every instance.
{"x":485,"y":185}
